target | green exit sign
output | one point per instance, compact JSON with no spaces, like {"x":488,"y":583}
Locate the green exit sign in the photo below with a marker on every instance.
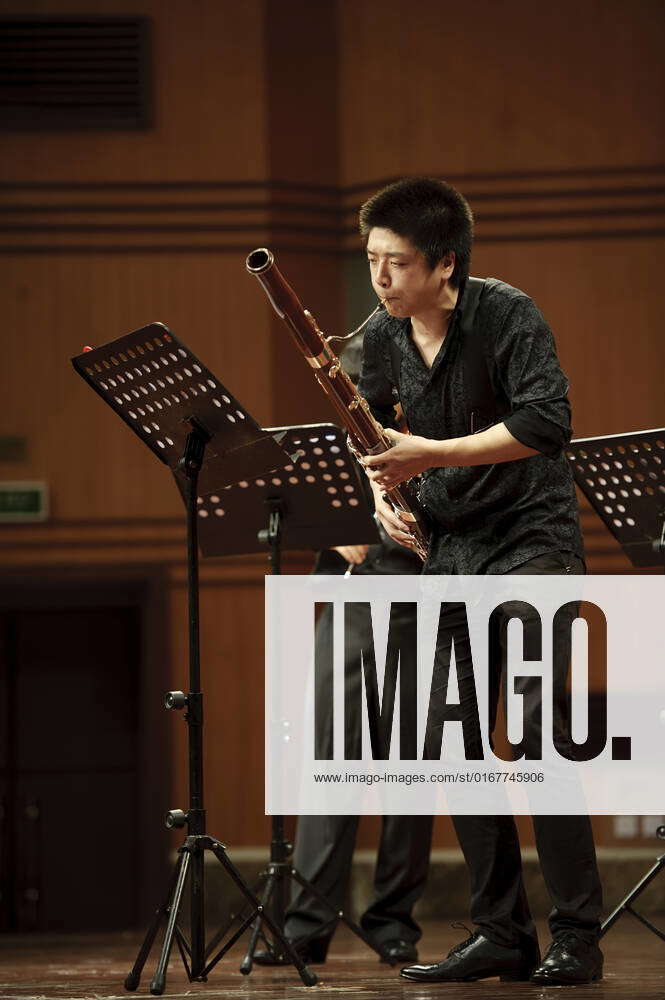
{"x":23,"y":502}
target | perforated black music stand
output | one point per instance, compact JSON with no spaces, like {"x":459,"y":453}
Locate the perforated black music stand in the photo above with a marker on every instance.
{"x":161,"y":390}
{"x":623,"y":478}
{"x":316,"y":502}
{"x":193,"y":424}
{"x":319,"y":493}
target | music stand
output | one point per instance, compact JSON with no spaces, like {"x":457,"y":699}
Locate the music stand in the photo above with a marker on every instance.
{"x":623,"y":478}
{"x":193,"y":424}
{"x":319,"y":492}
{"x":318,"y":503}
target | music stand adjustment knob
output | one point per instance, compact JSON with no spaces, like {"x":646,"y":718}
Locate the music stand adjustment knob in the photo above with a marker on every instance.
{"x":175,"y":819}
{"x":175,"y":700}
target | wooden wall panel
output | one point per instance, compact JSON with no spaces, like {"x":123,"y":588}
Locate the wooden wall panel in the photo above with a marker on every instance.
{"x":54,"y":305}
{"x":303,"y":141}
{"x":76,"y":273}
{"x":499,"y":87}
{"x":600,"y":298}
{"x":302,"y":70}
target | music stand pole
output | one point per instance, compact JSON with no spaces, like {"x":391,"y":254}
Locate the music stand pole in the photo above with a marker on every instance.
{"x":280,"y":848}
{"x":281,"y":871}
{"x":192,"y":857}
{"x":191,"y":463}
{"x":279,"y":867}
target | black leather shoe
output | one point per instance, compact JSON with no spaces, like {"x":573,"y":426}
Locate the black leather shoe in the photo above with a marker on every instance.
{"x":570,"y":960}
{"x":313,"y":951}
{"x":476,"y":958}
{"x":398,"y":950}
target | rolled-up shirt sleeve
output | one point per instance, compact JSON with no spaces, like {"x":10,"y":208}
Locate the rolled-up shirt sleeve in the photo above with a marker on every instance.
{"x":528,"y":369}
{"x":376,"y":385}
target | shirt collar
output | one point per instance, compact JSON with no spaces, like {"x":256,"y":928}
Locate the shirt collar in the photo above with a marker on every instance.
{"x":462,"y":302}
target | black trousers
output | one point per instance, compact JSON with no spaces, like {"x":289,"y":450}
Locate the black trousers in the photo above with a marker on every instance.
{"x":324,"y":854}
{"x":564,"y":843}
{"x":324,"y":844}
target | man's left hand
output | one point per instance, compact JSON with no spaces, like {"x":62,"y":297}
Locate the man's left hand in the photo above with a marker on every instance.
{"x":408,"y":457}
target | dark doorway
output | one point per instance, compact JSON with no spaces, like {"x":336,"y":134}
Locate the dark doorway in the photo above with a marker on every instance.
{"x":69,"y":761}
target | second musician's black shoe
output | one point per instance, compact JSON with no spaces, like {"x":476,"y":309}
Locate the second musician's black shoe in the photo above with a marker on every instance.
{"x":398,"y":950}
{"x":477,"y":958}
{"x":570,"y":960}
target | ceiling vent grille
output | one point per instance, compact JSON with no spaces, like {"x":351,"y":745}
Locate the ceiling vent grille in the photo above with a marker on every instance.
{"x":74,"y":72}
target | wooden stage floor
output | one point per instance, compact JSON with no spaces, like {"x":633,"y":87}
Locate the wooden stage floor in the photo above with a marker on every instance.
{"x":91,"y":967}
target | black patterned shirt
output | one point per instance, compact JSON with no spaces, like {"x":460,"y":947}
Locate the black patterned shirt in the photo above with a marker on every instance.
{"x":487,"y":518}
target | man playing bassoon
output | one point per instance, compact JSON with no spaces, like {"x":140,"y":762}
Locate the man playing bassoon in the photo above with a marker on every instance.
{"x":474,"y":367}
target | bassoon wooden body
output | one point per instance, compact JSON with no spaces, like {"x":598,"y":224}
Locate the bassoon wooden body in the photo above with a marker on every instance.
{"x":366,"y":434}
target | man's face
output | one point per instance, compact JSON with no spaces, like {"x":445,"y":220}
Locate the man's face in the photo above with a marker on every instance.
{"x":401,"y":276}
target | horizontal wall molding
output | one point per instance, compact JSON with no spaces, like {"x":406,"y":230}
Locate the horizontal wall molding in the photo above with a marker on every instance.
{"x":142,"y":542}
{"x":182,"y":185}
{"x":135,"y":542}
{"x":183,"y":217}
{"x":87,"y":249}
{"x":569,"y":175}
{"x":562,"y":174}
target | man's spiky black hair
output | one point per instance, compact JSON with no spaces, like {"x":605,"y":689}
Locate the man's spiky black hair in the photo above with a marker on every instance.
{"x":430,"y":213}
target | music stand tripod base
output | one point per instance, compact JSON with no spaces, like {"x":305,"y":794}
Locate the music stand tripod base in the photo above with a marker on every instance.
{"x":625,"y":906}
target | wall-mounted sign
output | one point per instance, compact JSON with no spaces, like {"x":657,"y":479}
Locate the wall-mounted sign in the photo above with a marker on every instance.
{"x":23,"y":501}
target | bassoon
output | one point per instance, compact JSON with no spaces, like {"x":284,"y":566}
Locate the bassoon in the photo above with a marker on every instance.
{"x":366,"y":434}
